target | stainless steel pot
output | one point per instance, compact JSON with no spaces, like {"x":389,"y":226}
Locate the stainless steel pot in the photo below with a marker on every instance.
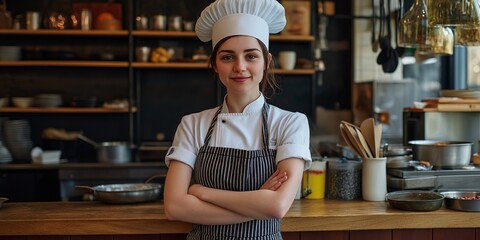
{"x":114,"y":152}
{"x":110,"y":152}
{"x":442,"y":154}
{"x":415,"y":200}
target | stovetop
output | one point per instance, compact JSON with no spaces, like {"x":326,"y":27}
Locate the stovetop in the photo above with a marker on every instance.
{"x":465,"y":179}
{"x":410,"y":172}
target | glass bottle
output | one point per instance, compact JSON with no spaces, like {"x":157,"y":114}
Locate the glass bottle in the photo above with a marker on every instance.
{"x":454,"y":12}
{"x":412,"y":28}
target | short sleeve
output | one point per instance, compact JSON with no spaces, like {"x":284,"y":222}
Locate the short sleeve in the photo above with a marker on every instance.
{"x":294,"y":139}
{"x":183,"y":147}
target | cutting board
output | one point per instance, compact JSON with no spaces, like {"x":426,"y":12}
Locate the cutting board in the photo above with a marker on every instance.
{"x":453,"y":104}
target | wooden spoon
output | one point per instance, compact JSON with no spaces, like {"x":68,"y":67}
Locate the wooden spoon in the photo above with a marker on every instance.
{"x":367,"y":127}
{"x":378,"y":138}
{"x":352,"y":133}
{"x":364,"y":144}
{"x":346,"y":136}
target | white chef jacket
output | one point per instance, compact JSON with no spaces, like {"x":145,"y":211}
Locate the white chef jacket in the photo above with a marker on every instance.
{"x":289,"y":133}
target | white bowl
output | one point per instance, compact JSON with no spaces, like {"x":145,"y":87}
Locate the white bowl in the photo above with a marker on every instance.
{"x":45,"y":157}
{"x":22,"y":102}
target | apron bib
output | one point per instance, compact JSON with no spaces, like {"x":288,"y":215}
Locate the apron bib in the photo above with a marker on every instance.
{"x":236,"y":170}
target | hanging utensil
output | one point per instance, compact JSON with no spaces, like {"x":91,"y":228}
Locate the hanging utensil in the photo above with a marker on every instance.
{"x":383,"y":40}
{"x":390,"y":65}
{"x":374,"y":41}
{"x":398,"y":14}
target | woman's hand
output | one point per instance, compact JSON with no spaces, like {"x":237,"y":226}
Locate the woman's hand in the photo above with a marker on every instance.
{"x":275,"y":181}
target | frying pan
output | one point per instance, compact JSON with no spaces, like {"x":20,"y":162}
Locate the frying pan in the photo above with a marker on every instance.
{"x":127,"y":192}
{"x":2,"y":200}
{"x":415,"y":200}
{"x":462,"y":201}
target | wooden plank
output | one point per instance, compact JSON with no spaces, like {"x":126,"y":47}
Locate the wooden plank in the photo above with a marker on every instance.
{"x":458,"y":233}
{"x":173,"y":236}
{"x":291,"y":236}
{"x":412,"y":234}
{"x":138,"y":237}
{"x":371,"y":235}
{"x":329,"y":235}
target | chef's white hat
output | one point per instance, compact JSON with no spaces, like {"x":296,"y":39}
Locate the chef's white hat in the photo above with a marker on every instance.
{"x":256,"y":18}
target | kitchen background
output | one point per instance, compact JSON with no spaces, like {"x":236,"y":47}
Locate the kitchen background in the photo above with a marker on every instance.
{"x":98,"y":75}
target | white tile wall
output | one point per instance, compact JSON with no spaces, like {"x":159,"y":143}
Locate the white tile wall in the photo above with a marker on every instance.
{"x":364,"y":59}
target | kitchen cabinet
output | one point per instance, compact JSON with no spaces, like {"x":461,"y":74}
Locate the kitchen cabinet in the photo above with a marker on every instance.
{"x":101,"y":64}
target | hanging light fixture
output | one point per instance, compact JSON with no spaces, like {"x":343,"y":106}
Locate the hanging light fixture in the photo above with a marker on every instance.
{"x":440,"y":41}
{"x":413,"y":26}
{"x":454,"y":13}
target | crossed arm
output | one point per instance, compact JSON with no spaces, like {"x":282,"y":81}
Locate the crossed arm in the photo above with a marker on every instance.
{"x":202,"y":205}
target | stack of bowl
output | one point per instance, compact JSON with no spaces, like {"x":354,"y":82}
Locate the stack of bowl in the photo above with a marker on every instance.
{"x":22,"y":102}
{"x":17,"y":138}
{"x":48,"y":100}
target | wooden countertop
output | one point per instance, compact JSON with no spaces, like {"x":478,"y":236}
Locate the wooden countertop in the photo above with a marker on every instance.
{"x":95,"y":218}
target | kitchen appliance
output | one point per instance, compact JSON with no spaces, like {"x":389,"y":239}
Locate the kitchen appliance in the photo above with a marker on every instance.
{"x":463,"y":179}
{"x":447,"y":126}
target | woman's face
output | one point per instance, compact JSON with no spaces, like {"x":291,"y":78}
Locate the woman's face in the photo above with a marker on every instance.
{"x":240,"y":64}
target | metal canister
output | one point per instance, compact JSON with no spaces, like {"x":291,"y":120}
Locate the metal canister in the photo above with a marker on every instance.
{"x":175,"y":23}
{"x":86,"y":19}
{"x":32,"y":20}
{"x":141,"y":22}
{"x":159,"y":22}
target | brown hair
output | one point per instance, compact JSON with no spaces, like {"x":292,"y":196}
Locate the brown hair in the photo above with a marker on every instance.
{"x":268,"y":85}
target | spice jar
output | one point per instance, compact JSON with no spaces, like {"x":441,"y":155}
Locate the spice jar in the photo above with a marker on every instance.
{"x":344,"y":179}
{"x":313,"y":182}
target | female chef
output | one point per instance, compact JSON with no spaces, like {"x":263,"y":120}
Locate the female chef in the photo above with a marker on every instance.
{"x":234,"y":170}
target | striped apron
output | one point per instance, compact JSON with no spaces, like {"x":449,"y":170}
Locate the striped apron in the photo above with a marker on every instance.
{"x":235,"y":170}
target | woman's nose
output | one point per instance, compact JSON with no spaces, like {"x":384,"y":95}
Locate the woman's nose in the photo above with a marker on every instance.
{"x":239,"y":66}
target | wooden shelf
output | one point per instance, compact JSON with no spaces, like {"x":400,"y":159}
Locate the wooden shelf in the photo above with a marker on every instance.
{"x":169,"y":65}
{"x":65,"y":63}
{"x":49,"y":32}
{"x":64,"y":110}
{"x":137,"y":33}
{"x":295,"y":72}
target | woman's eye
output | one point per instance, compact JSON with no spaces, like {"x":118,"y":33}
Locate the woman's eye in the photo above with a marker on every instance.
{"x":252,"y":56}
{"x":226,"y":57}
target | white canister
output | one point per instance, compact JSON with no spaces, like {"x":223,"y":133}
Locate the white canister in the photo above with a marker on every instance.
{"x":287,"y":59}
{"x":374,"y":179}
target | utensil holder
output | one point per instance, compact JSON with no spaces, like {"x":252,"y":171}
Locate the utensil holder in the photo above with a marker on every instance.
{"x":374,"y":179}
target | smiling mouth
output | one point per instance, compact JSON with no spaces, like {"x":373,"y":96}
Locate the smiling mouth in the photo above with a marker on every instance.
{"x":240,"y":78}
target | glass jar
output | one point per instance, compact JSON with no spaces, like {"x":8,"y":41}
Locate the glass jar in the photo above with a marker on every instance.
{"x":412,"y":28}
{"x":344,"y":179}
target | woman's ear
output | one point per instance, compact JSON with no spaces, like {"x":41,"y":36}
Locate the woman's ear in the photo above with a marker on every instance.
{"x":269,"y":60}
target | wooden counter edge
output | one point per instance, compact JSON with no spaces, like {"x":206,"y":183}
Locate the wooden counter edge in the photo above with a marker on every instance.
{"x":69,"y":218}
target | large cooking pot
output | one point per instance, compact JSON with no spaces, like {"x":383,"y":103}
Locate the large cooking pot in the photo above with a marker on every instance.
{"x":110,"y":152}
{"x":442,"y":154}
{"x":127,"y":192}
{"x":415,"y":200}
